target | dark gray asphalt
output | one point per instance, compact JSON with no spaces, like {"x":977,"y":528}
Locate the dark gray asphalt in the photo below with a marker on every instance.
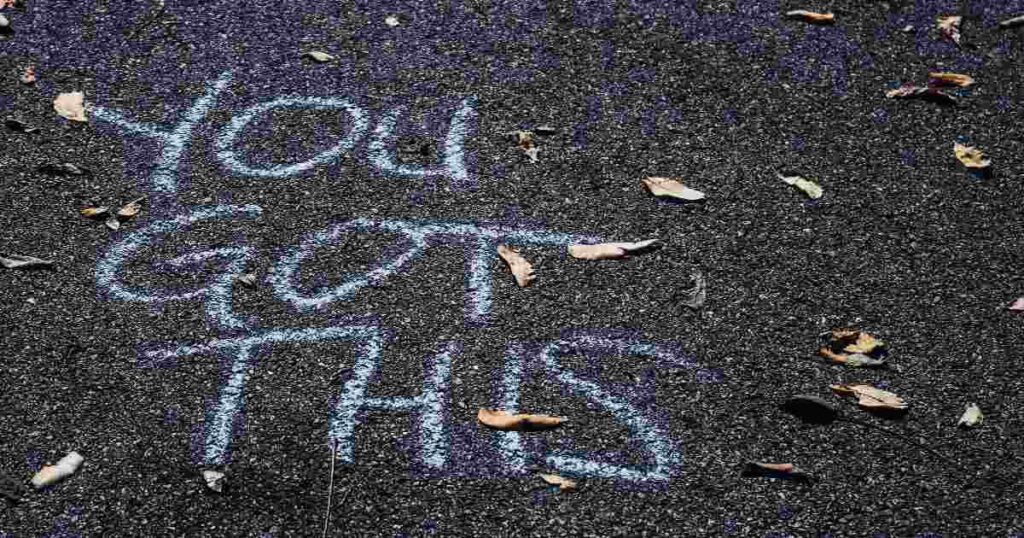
{"x":904,"y":244}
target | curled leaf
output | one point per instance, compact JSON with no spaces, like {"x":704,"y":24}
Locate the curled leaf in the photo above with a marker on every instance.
{"x":94,"y":212}
{"x":317,"y":56}
{"x":131,"y":209}
{"x":811,"y":16}
{"x":501,"y":420}
{"x":18,"y":261}
{"x":248,"y":280}
{"x":785,"y":471}
{"x":1017,"y":306}
{"x":524,"y":139}
{"x":696,"y":296}
{"x":870,"y":397}
{"x":972,"y":416}
{"x":811,"y":409}
{"x":113,"y":222}
{"x":392,"y":21}
{"x":810,"y":188}
{"x":938,"y":78}
{"x":865,"y":343}
{"x":971,"y":157}
{"x":909,"y":91}
{"x":71,"y":106}
{"x":214,"y":480}
{"x":668,"y":187}
{"x":610,"y":251}
{"x":521,"y":269}
{"x":855,"y":360}
{"x":564,"y":484}
{"x":52,"y":474}
{"x":949,"y":28}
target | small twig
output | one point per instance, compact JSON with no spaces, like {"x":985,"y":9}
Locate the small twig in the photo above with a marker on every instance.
{"x":330,"y":488}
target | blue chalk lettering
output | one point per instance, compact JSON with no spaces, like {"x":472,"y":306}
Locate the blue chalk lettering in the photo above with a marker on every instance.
{"x":229,"y":135}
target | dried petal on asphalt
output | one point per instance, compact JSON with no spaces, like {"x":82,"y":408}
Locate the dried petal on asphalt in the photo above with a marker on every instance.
{"x":942,"y":78}
{"x":564,"y":484}
{"x":810,"y":188}
{"x":909,"y":91}
{"x":524,"y":139}
{"x":29,"y":75}
{"x":696,"y":296}
{"x":317,"y":56}
{"x":972,"y":416}
{"x":71,"y":106}
{"x":521,"y":269}
{"x":668,"y":187}
{"x":112,"y":222}
{"x":855,"y":360}
{"x":949,"y":28}
{"x":94,"y":212}
{"x":870,"y":397}
{"x":1017,"y":306}
{"x":248,"y":280}
{"x":786,"y":471}
{"x":610,"y":251}
{"x":52,"y":474}
{"x":214,"y":480}
{"x":17,"y":261}
{"x":811,"y":16}
{"x":501,"y":420}
{"x":131,"y":209}
{"x":971,"y":157}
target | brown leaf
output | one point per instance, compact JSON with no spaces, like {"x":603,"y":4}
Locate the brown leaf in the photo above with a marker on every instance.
{"x":94,"y":212}
{"x":564,"y":484}
{"x":865,"y":344}
{"x":870,"y":397}
{"x":71,"y":106}
{"x":609,"y":251}
{"x":663,"y":186}
{"x":521,"y":269}
{"x":501,"y":420}
{"x":949,"y":79}
{"x":113,"y":223}
{"x":524,"y":139}
{"x":131,"y":209}
{"x":811,"y":16}
{"x":856,"y":360}
{"x":971,"y":157}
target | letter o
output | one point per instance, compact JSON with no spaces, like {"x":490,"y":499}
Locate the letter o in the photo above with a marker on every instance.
{"x":231,"y":132}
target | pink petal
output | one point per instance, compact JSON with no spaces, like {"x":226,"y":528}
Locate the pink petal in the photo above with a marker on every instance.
{"x":1018,"y":305}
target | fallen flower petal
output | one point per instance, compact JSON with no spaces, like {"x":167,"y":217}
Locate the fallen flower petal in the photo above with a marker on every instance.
{"x":786,"y":471}
{"x":248,"y":280}
{"x":564,"y":484}
{"x":131,"y":209}
{"x":521,"y":269}
{"x":29,"y":76}
{"x":971,"y":157}
{"x":214,"y":480}
{"x":972,"y":416}
{"x":94,"y":212}
{"x":1018,"y":305}
{"x":113,"y":222}
{"x":317,"y":56}
{"x":610,"y":251}
{"x":524,"y":139}
{"x":865,"y":344}
{"x":501,"y":420}
{"x":71,"y":106}
{"x":949,"y":28}
{"x":17,"y":261}
{"x":55,"y":473}
{"x":856,"y":360}
{"x":811,"y":16}
{"x":938,"y":78}
{"x":870,"y":397}
{"x":696,"y":296}
{"x":810,"y":188}
{"x":908,"y":91}
{"x":668,"y":187}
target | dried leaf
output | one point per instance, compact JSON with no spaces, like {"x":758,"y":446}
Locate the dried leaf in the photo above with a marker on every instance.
{"x":29,"y":76}
{"x":696,"y":296}
{"x":5,"y":26}
{"x":1018,"y":305}
{"x":786,"y":471}
{"x":909,"y":91}
{"x":61,"y":169}
{"x":865,"y":344}
{"x":564,"y":484}
{"x":214,"y":480}
{"x":55,"y":473}
{"x":610,"y":251}
{"x":521,"y":269}
{"x":94,"y":212}
{"x":810,"y":188}
{"x":248,"y":280}
{"x":971,"y":157}
{"x":949,"y":28}
{"x":1013,"y":22}
{"x":19,"y":126}
{"x":870,"y":397}
{"x":392,"y":21}
{"x":855,"y":360}
{"x":17,"y":261}
{"x":811,"y":16}
{"x":524,"y":139}
{"x":317,"y":56}
{"x":972,"y":416}
{"x":663,"y":186}
{"x":112,"y":222}
{"x":939,"y":78}
{"x":501,"y":420}
{"x":131,"y":209}
{"x":811,"y":409}
{"x":71,"y":106}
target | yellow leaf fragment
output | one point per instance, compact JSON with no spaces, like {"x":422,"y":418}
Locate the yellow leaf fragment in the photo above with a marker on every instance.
{"x":972,"y":416}
{"x":810,"y":188}
{"x":317,"y":56}
{"x":71,"y":106}
{"x":94,"y":212}
{"x":971,"y":157}
{"x":504,"y":421}
{"x":524,"y":139}
{"x":521,"y":269}
{"x":939,"y":78}
{"x":870,"y":397}
{"x":131,"y":209}
{"x":811,"y":16}
{"x":564,"y":484}
{"x":609,"y":251}
{"x":668,"y":187}
{"x":865,"y":344}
